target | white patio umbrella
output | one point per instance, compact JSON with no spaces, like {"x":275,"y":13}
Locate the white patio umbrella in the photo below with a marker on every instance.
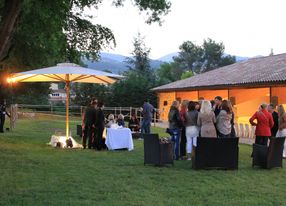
{"x":65,"y":72}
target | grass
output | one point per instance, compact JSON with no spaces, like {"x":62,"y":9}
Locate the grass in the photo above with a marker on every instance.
{"x":32,"y":173}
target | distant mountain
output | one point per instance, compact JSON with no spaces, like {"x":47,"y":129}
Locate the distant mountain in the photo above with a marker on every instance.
{"x":241,"y":59}
{"x":169,"y":57}
{"x":114,"y":63}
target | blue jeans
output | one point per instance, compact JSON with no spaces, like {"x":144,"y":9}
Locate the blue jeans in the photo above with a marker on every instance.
{"x":176,"y":136}
{"x":145,"y":127}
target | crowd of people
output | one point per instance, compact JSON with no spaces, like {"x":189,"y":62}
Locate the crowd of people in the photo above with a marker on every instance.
{"x":190,"y":120}
{"x":94,"y":122}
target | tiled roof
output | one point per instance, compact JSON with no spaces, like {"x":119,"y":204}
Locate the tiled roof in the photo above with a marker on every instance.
{"x":270,"y":69}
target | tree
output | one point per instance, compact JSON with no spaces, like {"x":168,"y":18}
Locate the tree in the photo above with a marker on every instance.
{"x":198,"y":59}
{"x":66,"y":19}
{"x":214,"y":57}
{"x":169,"y":72}
{"x":140,"y":62}
{"x":29,"y":93}
{"x":9,"y":16}
{"x":37,"y":33}
{"x":132,"y":91}
{"x":85,"y":92}
{"x":187,"y":74}
{"x":139,"y":79}
{"x":189,"y":57}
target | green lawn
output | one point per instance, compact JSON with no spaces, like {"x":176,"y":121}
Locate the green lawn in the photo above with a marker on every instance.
{"x":32,"y":173}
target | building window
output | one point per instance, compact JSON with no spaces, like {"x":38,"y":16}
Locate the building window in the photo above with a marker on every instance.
{"x":165,"y":103}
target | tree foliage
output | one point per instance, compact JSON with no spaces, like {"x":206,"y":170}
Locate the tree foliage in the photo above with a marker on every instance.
{"x":37,"y":33}
{"x":187,"y":74}
{"x":139,"y":79}
{"x":193,"y":59}
{"x":190,"y":56}
{"x":85,"y":92}
{"x":132,"y":90}
{"x":61,"y":26}
{"x":199,"y":59}
{"x":169,"y":72}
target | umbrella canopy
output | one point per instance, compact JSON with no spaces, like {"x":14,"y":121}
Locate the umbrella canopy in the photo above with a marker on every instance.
{"x":65,"y":72}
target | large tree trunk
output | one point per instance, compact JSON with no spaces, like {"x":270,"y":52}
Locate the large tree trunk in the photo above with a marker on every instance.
{"x":10,"y":14}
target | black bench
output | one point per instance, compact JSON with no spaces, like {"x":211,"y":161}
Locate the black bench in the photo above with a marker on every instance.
{"x":269,"y":157}
{"x":155,"y":152}
{"x":215,"y":153}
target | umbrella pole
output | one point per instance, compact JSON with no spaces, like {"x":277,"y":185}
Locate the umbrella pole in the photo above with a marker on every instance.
{"x":67,"y":107}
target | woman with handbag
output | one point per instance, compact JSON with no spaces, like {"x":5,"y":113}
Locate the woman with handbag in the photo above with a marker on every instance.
{"x":183,"y":112}
{"x":175,"y":125}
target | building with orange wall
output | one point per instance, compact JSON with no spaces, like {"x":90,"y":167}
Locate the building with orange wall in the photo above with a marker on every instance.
{"x":246,"y":84}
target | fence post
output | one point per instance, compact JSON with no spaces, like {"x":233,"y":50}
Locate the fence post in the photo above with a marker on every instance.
{"x":120,"y":112}
{"x":13,"y":116}
{"x":130,"y":112}
{"x":51,"y":107}
{"x":154,"y":117}
{"x":81,"y":111}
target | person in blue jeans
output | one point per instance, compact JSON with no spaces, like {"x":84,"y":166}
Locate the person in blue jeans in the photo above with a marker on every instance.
{"x":175,"y":125}
{"x":147,"y":113}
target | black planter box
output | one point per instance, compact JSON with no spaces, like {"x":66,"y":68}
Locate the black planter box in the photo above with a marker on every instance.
{"x":215,"y":153}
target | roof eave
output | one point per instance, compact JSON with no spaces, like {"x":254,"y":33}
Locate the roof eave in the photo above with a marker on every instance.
{"x":224,"y":86}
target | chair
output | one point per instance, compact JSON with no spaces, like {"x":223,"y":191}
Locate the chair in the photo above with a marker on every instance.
{"x":215,"y":153}
{"x":155,"y":152}
{"x":269,"y":157}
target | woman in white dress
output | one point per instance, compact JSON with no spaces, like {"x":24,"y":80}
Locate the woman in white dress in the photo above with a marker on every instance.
{"x":282,"y":126}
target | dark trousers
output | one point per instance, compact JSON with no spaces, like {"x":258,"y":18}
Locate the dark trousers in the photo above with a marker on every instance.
{"x":2,"y":122}
{"x":87,"y":134}
{"x":145,"y":127}
{"x":262,"y":140}
{"x":98,"y":140}
{"x":183,"y":142}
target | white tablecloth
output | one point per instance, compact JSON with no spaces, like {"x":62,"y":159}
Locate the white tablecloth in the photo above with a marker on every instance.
{"x":119,"y":139}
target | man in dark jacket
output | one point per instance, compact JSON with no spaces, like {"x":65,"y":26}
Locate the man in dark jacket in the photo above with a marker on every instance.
{"x":3,"y":114}
{"x":99,"y":127}
{"x":89,"y":122}
{"x":147,"y":113}
{"x":274,"y":129}
{"x":217,"y":105}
